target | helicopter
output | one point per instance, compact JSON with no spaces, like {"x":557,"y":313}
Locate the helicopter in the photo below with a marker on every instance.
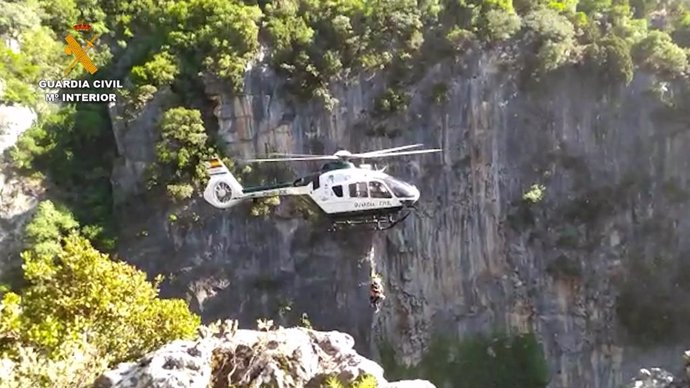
{"x":348,"y":195}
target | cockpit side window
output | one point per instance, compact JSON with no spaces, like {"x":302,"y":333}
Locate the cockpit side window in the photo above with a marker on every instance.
{"x":358,"y":190}
{"x":338,"y":191}
{"x":400,"y":189}
{"x":379,"y":190}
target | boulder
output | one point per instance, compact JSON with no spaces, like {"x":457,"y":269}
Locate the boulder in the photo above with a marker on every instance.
{"x":283,"y":358}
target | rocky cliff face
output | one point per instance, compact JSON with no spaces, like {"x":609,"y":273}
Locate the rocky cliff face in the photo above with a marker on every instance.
{"x":478,"y":258}
{"x":18,"y":196}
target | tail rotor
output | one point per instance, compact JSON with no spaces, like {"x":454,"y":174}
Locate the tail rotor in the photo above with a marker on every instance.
{"x":222,"y":190}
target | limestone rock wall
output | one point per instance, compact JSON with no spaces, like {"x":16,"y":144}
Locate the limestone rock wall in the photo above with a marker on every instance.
{"x":477,"y":258}
{"x":18,"y":196}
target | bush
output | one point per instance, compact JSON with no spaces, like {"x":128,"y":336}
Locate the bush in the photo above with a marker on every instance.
{"x":525,"y":6}
{"x":555,"y":35}
{"x":17,"y":73}
{"x":611,"y":59}
{"x":658,"y":53}
{"x":632,"y":30}
{"x":501,"y":25}
{"x":138,"y":99}
{"x":81,"y":292}
{"x":314,"y":43}
{"x":459,"y":38}
{"x":77,"y":367}
{"x":218,"y":36}
{"x":18,"y":16}
{"x":548,"y":24}
{"x":73,"y":147}
{"x":364,"y":381}
{"x":48,"y":226}
{"x":389,"y":102}
{"x":181,"y":153}
{"x":38,"y":52}
{"x":160,"y":70}
{"x":593,"y":6}
{"x":79,"y":312}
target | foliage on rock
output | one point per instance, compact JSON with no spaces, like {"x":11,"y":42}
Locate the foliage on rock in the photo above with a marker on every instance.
{"x":77,"y":367}
{"x":78,"y":300}
{"x":49,"y":225}
{"x":69,"y":147}
{"x":181,"y":153}
{"x":364,"y":381}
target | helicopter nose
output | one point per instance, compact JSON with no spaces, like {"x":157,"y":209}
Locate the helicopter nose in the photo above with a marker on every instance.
{"x":412,"y":199}
{"x":415,"y":198}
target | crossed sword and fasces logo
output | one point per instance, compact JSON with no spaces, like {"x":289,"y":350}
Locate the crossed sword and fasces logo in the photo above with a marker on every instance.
{"x":74,"y":48}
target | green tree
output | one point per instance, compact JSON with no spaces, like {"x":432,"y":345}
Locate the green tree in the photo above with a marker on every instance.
{"x":160,"y":70}
{"x":658,"y":53}
{"x":70,"y":148}
{"x":18,"y":16}
{"x":216,"y":35}
{"x":48,"y":226}
{"x":611,"y":59}
{"x":81,"y":292}
{"x":592,"y":6}
{"x":60,"y":15}
{"x":181,"y":152}
{"x":555,"y":35}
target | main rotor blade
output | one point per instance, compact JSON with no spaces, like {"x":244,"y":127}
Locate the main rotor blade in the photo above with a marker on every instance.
{"x":331,"y":157}
{"x":295,"y":155}
{"x":386,"y":150}
{"x":398,"y":153}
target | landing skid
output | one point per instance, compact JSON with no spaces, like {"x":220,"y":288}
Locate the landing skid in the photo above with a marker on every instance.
{"x":372,"y":222}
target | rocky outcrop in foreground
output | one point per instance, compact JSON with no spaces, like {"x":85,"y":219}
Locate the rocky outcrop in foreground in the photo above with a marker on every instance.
{"x":228,"y":357}
{"x":660,"y":378}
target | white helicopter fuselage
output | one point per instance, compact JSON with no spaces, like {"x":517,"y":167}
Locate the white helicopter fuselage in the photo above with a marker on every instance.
{"x":339,"y":190}
{"x":358,"y":190}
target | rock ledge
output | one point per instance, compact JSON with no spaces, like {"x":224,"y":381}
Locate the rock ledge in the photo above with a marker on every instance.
{"x":292,"y":357}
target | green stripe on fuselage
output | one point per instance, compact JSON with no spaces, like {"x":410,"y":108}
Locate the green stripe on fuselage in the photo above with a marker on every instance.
{"x":254,"y":189}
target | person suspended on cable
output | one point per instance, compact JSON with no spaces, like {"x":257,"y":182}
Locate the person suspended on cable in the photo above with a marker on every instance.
{"x":376,"y":295}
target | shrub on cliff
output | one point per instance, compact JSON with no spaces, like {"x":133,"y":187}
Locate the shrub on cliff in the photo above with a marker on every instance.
{"x":364,"y":381}
{"x":610,"y":58}
{"x":181,"y":152}
{"x":78,"y":311}
{"x":79,"y":365}
{"x":70,"y":148}
{"x":555,"y":38}
{"x":81,"y":292}
{"x":658,"y":53}
{"x":39,"y":51}
{"x":48,"y":226}
{"x":218,"y":36}
{"x":160,"y":70}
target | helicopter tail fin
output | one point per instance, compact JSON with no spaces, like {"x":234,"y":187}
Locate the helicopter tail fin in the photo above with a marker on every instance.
{"x":222,"y":190}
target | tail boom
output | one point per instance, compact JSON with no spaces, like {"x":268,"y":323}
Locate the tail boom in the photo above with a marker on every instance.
{"x":224,"y":191}
{"x":272,"y":192}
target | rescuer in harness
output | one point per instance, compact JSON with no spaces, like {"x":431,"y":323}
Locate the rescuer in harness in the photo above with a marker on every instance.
{"x":376,"y":295}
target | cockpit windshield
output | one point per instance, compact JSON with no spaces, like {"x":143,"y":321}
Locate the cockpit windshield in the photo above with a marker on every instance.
{"x":400,"y":189}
